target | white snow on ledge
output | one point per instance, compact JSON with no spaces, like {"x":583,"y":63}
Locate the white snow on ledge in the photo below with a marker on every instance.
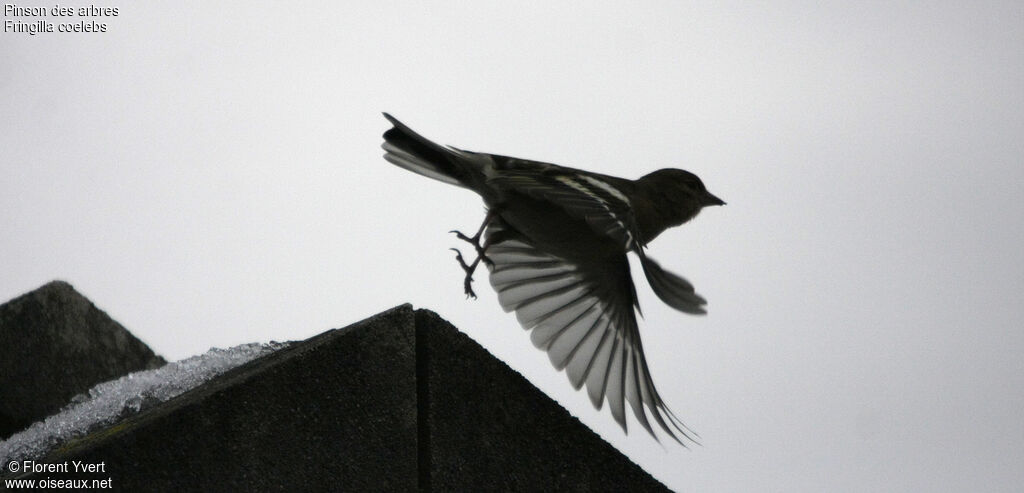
{"x":111,"y":401}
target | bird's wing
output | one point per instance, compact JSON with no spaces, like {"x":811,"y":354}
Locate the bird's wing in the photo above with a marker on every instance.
{"x":582,"y":316}
{"x":608,"y":212}
{"x":672,"y":288}
{"x":605,"y":208}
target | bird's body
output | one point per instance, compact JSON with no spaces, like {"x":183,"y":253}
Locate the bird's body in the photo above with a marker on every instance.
{"x":556,"y":245}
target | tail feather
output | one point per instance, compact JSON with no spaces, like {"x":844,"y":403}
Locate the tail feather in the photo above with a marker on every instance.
{"x":407,"y":149}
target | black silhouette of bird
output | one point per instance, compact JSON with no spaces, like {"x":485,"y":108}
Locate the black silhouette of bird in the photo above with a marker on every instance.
{"x":555,"y":242}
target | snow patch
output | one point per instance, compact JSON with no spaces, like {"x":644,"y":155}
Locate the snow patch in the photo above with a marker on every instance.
{"x":112,"y":401}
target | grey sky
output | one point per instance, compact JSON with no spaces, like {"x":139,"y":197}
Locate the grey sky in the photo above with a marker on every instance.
{"x":211,"y":175}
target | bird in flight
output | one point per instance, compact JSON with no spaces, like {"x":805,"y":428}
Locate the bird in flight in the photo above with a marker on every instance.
{"x":555,"y":241}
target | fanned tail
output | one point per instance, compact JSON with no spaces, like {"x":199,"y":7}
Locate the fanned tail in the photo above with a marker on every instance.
{"x":410,"y":150}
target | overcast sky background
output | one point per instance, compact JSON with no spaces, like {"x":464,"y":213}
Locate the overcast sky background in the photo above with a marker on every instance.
{"x":211,"y":175}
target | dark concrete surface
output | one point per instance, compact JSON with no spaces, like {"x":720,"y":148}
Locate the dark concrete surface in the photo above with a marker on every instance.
{"x":336,"y":412}
{"x":54,"y":344}
{"x":491,"y":430}
{"x":401,"y":401}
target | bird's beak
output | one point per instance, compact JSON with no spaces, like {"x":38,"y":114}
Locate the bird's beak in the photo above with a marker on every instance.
{"x":712,"y":200}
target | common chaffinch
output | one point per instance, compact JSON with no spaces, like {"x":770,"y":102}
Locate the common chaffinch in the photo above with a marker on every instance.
{"x":555,"y":243}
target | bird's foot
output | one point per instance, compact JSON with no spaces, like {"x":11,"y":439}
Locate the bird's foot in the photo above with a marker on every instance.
{"x":480,"y":252}
{"x":475,"y":241}
{"x":469,"y":269}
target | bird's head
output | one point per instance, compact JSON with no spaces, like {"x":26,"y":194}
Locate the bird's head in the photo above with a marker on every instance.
{"x":681,"y":188}
{"x":672,"y":197}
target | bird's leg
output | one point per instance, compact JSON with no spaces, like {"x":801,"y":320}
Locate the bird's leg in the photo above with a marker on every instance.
{"x":475,"y":239}
{"x":469,"y":269}
{"x":480,"y":252}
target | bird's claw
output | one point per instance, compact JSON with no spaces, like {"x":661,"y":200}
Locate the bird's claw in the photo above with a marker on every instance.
{"x":475,"y":241}
{"x":469,"y":269}
{"x":480,"y":252}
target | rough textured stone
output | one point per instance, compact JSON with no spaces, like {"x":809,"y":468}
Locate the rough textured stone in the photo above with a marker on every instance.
{"x":398,"y":402}
{"x":335,"y":412}
{"x":54,"y":344}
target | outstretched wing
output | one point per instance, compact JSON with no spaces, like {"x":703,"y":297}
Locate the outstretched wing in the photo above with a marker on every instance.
{"x":671,"y":288}
{"x":597,"y":200}
{"x":582,"y":316}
